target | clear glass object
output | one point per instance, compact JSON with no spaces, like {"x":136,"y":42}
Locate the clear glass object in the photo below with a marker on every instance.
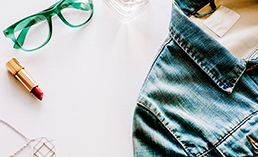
{"x":127,"y":8}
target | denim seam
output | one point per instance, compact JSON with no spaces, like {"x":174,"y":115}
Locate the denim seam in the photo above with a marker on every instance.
{"x":253,"y":79}
{"x":220,"y":152}
{"x":186,"y":48}
{"x":215,"y":146}
{"x":169,"y":39}
{"x":165,"y":125}
{"x":229,"y":133}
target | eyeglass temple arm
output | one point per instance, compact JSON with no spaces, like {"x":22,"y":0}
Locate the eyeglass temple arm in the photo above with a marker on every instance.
{"x":25,"y":29}
{"x":21,"y":38}
{"x":77,"y":5}
{"x":80,"y":6}
{"x":23,"y":33}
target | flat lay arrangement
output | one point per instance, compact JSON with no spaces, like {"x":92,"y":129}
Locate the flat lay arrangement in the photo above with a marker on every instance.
{"x":160,"y":81}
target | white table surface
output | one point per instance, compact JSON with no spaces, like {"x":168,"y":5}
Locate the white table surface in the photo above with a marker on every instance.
{"x":91,"y":77}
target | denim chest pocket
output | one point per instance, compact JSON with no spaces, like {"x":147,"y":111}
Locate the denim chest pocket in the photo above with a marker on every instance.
{"x":242,"y":142}
{"x":204,"y":120}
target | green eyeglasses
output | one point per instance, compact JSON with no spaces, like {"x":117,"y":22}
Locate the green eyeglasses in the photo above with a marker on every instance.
{"x":33,"y":32}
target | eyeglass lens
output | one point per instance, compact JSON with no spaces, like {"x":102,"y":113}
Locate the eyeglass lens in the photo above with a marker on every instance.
{"x":76,"y":13}
{"x":35,"y":32}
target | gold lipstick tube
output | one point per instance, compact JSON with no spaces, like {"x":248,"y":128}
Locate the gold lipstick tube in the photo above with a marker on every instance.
{"x":18,"y":71}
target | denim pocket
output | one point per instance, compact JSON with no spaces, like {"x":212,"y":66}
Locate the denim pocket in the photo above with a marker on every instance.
{"x":243,"y":142}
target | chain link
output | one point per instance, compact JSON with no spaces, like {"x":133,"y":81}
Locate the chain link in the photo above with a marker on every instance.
{"x":22,"y":148}
{"x":19,"y":133}
{"x":5,"y":123}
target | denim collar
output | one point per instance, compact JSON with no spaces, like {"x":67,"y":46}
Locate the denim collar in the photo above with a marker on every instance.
{"x":213,"y":58}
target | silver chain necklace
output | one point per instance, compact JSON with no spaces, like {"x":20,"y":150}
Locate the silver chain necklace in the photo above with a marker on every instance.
{"x":43,"y":147}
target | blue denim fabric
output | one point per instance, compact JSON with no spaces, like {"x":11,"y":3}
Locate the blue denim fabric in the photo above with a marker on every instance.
{"x":198,"y":99}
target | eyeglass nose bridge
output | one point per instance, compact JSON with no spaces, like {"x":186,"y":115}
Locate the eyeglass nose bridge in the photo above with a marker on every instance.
{"x":56,"y":9}
{"x":77,"y":5}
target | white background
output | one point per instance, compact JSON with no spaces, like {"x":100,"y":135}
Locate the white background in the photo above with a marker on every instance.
{"x":91,"y":77}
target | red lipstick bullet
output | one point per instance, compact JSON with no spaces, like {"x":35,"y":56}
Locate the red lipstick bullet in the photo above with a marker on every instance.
{"x":18,"y":71}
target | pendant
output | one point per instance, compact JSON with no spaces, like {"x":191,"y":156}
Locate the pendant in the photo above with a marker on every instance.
{"x":44,"y":148}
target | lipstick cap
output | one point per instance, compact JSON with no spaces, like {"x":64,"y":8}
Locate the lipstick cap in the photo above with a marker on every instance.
{"x":14,"y":66}
{"x":18,"y":71}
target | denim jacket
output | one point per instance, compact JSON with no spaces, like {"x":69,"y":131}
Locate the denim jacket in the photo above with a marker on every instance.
{"x":198,"y":99}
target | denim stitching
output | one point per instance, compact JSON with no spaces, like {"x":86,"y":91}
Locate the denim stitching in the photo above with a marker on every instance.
{"x":170,"y":38}
{"x":165,"y":125}
{"x":187,"y":49}
{"x":229,"y":133}
{"x":251,"y":68}
{"x":240,"y":69}
{"x":222,"y":154}
{"x":186,"y":149}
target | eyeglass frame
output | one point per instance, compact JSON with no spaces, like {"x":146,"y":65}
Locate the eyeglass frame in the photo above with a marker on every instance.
{"x":48,"y":13}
